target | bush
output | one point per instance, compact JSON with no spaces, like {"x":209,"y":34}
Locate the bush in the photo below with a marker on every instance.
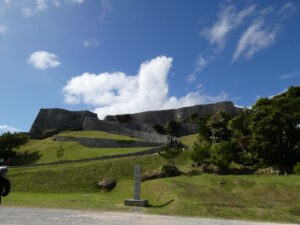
{"x":297,"y":168}
{"x":170,"y":170}
{"x":201,"y":150}
{"x":172,"y":128}
{"x":224,"y":154}
{"x":158,"y":128}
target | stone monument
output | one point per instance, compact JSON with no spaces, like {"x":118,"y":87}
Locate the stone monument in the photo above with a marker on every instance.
{"x":136,"y":201}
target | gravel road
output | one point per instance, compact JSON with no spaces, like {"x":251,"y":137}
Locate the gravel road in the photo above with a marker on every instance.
{"x":34,"y":216}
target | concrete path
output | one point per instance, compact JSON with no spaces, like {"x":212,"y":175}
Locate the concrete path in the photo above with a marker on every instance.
{"x":34,"y":216}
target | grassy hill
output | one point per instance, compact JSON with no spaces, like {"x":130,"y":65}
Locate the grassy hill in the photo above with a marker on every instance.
{"x":250,"y":197}
{"x":97,"y":134}
{"x":258,"y":197}
{"x":45,"y":150}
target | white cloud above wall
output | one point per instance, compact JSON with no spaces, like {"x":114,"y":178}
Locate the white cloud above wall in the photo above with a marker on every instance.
{"x":119,"y":93}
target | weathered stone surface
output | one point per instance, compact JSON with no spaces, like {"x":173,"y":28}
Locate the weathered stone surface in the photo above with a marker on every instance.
{"x":115,"y":128}
{"x":179,"y":115}
{"x":140,"y":125}
{"x":145,"y":120}
{"x":52,"y":121}
{"x":107,"y":184}
{"x":106,"y":143}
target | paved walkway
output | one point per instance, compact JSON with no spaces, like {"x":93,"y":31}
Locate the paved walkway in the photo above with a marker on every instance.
{"x":33,"y":216}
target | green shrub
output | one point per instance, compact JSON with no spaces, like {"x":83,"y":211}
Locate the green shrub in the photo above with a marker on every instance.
{"x":224,"y":154}
{"x":159,"y":128}
{"x":297,"y":168}
{"x":170,"y":170}
{"x":201,"y":150}
{"x":172,"y":128}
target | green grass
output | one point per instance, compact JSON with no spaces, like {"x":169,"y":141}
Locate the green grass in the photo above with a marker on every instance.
{"x":250,"y":197}
{"x":96,"y":134}
{"x":189,"y":140}
{"x":47,"y":149}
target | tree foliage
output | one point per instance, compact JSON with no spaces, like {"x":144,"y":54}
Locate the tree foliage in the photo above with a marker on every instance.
{"x":266,"y":135}
{"x":201,"y":150}
{"x":217,"y":124}
{"x":170,"y":153}
{"x":9,"y":141}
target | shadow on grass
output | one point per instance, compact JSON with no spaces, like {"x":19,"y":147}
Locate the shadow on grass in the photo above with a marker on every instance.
{"x":162,"y":205}
{"x":26,"y":158}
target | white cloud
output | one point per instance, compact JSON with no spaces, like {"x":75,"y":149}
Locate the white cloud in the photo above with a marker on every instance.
{"x":286,"y":8}
{"x":106,"y":8}
{"x":43,"y":60}
{"x":289,"y":75}
{"x":254,"y":39}
{"x":119,"y":93}
{"x":39,"y":6}
{"x":200,"y":63}
{"x":78,"y":1}
{"x":91,"y":43}
{"x":229,"y":19}
{"x":6,"y":128}
{"x":3,"y":29}
{"x":56,"y":3}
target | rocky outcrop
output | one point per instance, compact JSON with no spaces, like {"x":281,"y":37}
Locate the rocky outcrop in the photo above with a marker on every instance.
{"x":52,"y":121}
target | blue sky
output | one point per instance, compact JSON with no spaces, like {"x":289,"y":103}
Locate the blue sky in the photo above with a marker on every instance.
{"x":115,"y":57}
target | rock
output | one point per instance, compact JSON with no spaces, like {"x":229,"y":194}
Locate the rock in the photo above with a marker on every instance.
{"x":209,"y":168}
{"x":107,"y":184}
{"x":51,"y":121}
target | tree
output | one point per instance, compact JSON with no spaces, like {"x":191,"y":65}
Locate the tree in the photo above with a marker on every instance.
{"x":172,"y":128}
{"x":204,"y":130}
{"x":224,"y":153}
{"x":217,"y":125}
{"x":170,"y":153}
{"x":9,"y":141}
{"x":274,"y":123}
{"x":201,"y":150}
{"x":239,"y":126}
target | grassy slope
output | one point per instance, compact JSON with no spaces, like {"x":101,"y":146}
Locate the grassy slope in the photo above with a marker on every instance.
{"x":47,"y":148}
{"x":255,"y":197}
{"x":96,"y":134}
{"x":189,"y":139}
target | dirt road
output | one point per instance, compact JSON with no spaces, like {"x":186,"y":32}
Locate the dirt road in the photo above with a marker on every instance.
{"x":34,"y":216}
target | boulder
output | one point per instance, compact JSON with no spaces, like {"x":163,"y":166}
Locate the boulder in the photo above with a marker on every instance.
{"x":107,"y":184}
{"x":209,"y":168}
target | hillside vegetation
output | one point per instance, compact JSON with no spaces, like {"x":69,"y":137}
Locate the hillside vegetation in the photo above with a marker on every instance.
{"x":258,"y":197}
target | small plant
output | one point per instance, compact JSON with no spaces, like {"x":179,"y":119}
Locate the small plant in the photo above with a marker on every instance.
{"x":170,"y":170}
{"x":297,"y":168}
{"x":171,"y":153}
{"x":60,"y":153}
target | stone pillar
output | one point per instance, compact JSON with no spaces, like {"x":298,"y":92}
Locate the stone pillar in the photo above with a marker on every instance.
{"x":136,"y":201}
